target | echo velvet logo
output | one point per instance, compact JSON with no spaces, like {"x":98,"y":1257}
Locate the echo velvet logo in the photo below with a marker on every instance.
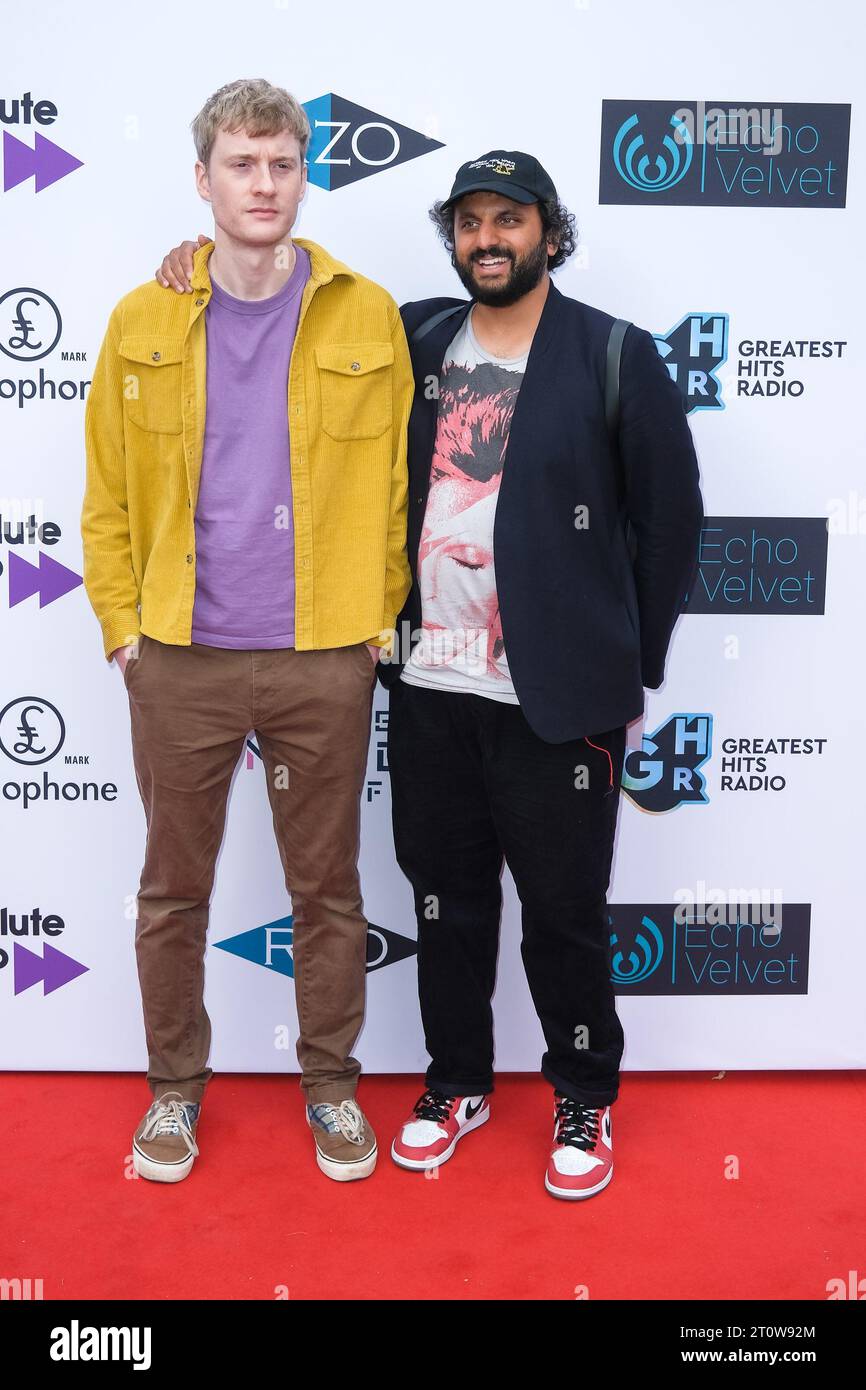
{"x":659,"y":948}
{"x":761,"y":564}
{"x":724,"y":154}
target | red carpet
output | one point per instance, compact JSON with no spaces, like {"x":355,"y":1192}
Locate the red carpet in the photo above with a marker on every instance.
{"x":256,"y":1213}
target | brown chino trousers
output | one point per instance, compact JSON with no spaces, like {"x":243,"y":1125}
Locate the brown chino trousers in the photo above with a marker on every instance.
{"x":192,"y":709}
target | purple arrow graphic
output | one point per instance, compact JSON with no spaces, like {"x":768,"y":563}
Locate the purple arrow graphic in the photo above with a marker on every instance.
{"x":50,"y":581}
{"x":53,"y":968}
{"x":46,"y":160}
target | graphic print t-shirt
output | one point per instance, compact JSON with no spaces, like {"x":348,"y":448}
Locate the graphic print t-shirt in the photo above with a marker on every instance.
{"x":461,"y":646}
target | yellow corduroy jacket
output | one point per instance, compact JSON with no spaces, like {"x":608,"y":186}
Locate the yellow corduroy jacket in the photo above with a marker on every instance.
{"x":349,"y":397}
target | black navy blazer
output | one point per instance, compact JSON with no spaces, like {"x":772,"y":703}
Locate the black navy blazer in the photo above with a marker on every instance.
{"x":585,"y":626}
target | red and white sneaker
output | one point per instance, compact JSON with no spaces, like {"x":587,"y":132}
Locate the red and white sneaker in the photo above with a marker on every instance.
{"x":430,"y":1135}
{"x":581,"y":1160}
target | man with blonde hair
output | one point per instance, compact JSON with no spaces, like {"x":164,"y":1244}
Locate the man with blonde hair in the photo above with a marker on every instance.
{"x":244,"y":529}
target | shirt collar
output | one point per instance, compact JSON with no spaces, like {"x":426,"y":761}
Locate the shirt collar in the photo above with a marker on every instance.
{"x":323,"y":266}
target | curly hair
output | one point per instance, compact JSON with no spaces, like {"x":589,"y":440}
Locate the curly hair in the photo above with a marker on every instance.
{"x":558,"y":224}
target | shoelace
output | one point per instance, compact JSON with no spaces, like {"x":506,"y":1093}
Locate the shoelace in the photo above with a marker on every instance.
{"x":577,"y":1124}
{"x":434,"y":1106}
{"x":349,"y":1120}
{"x":170,"y":1117}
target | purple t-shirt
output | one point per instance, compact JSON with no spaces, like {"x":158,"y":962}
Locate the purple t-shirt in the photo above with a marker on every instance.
{"x":244,"y":536}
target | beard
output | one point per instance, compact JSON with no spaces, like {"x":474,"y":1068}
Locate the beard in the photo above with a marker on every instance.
{"x":525,"y":273}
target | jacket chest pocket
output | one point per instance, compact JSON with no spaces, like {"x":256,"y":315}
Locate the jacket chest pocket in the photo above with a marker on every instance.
{"x":355,"y":388}
{"x":152,"y":382}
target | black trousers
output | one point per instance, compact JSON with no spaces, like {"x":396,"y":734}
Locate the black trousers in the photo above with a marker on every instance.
{"x":472,"y":784}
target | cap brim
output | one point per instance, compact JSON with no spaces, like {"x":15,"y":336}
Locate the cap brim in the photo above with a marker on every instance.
{"x":513,"y":191}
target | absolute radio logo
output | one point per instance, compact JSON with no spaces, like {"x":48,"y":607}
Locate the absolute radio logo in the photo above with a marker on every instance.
{"x":724,"y":154}
{"x":39,"y":962}
{"x":43,"y":161}
{"x":22,"y":529}
{"x":349,"y":143}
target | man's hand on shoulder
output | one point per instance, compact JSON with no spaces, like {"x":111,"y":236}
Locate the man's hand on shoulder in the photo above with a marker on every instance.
{"x":175,"y":273}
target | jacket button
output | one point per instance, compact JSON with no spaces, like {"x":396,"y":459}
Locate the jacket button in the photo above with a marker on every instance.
{"x":156,"y":356}
{"x":189,"y":559}
{"x":356,"y":366}
{"x":199,"y":303}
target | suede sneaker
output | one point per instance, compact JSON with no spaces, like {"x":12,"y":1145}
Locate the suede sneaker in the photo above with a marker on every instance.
{"x":164,"y":1146}
{"x":345,"y":1143}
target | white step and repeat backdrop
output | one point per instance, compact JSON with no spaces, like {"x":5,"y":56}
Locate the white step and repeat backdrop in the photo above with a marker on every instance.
{"x":736,"y":913}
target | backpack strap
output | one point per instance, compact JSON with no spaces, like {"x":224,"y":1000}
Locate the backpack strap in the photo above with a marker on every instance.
{"x":611,"y":377}
{"x":611,"y":415}
{"x":435,"y":319}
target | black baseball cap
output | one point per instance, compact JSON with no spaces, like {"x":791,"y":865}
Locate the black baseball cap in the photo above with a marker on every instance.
{"x":517,"y":175}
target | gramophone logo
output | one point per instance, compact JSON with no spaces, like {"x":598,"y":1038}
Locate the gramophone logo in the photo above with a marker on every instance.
{"x":32,"y":730}
{"x":30,"y":330}
{"x":32,"y":733}
{"x":30,"y":324}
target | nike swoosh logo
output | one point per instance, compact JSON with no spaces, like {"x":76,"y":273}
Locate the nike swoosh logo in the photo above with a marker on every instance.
{"x":470,"y":1113}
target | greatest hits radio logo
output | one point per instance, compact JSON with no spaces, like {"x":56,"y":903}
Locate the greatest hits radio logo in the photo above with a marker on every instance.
{"x":669,"y":769}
